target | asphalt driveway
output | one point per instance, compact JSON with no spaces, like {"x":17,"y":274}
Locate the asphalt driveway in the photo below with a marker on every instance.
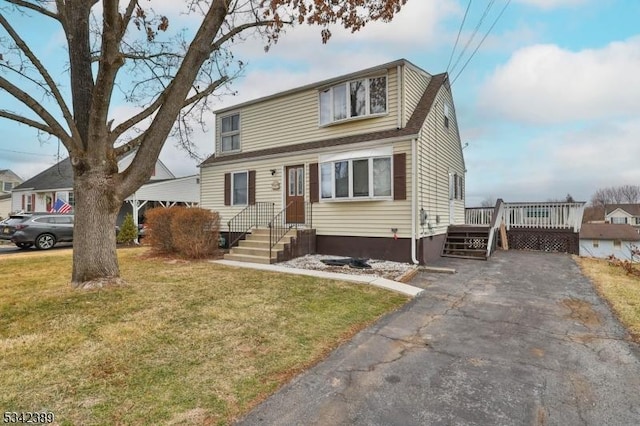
{"x":521,"y":339}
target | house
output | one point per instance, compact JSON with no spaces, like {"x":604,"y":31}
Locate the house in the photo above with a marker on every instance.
{"x":622,"y":213}
{"x":8,"y":180}
{"x":163,"y":189}
{"x":370,"y":161}
{"x":605,"y":239}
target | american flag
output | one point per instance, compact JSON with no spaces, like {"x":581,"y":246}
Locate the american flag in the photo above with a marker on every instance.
{"x":61,"y":207}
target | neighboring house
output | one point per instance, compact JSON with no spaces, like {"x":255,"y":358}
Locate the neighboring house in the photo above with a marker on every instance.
{"x":41,"y":191}
{"x":605,"y":239}
{"x":8,"y":180}
{"x":374,"y":156}
{"x":622,"y":213}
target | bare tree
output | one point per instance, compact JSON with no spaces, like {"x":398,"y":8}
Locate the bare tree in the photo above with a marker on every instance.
{"x":616,"y":195}
{"x":488,"y":202}
{"x":124,"y":46}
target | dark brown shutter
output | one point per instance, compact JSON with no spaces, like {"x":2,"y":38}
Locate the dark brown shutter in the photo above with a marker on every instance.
{"x":33,"y":202}
{"x":252,"y":187}
{"x":227,"y":189}
{"x":314,"y":187}
{"x":23,"y":202}
{"x":400,"y":176}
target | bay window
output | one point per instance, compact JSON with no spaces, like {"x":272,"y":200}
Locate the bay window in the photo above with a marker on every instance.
{"x":353,"y":99}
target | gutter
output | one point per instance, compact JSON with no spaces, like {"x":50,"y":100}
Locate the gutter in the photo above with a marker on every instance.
{"x":414,"y":199}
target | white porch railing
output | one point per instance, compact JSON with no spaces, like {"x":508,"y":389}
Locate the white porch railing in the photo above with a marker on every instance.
{"x":550,"y":215}
{"x":478,"y":215}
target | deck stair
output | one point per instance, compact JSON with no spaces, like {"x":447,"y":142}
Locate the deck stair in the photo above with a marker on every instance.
{"x":255,"y":247}
{"x":466,"y":241}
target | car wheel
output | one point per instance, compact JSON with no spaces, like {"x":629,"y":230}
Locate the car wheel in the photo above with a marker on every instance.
{"x":45,"y":241}
{"x":24,"y":245}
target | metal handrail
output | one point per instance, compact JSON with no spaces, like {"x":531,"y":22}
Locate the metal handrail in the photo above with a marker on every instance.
{"x":278,"y":226}
{"x":251,"y":216}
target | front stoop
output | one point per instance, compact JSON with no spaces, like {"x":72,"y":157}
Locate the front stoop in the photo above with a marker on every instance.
{"x":255,"y":248}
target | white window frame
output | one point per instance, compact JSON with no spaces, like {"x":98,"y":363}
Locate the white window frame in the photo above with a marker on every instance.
{"x":7,"y":186}
{"x":230,"y":133}
{"x":347,"y":84}
{"x":351,"y":197}
{"x":231,"y":196}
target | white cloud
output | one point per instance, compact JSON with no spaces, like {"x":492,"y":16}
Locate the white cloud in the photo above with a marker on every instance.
{"x":548,"y":84}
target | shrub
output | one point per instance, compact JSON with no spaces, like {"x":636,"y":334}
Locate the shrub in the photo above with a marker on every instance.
{"x":158,"y":230}
{"x":195,"y":232}
{"x":128,"y":232}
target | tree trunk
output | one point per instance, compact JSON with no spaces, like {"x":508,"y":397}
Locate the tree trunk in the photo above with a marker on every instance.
{"x":95,"y":261}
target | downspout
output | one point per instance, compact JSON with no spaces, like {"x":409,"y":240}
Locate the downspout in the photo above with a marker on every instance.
{"x":414,"y":199}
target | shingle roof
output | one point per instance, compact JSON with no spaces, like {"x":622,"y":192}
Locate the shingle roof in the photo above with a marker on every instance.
{"x":58,"y":176}
{"x":609,"y":231}
{"x":632,"y":209}
{"x":412,"y":128}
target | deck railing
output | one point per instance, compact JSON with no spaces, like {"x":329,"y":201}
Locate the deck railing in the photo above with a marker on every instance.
{"x":549,"y":215}
{"x":478,"y":215}
{"x":497,"y":219}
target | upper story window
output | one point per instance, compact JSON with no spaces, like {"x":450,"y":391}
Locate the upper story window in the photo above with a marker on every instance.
{"x":446,"y":115}
{"x":618,"y":220}
{"x":352,"y":99}
{"x":230,"y":133}
{"x":7,"y":186}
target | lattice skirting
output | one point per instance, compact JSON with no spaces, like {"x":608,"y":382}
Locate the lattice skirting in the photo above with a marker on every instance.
{"x":543,"y":240}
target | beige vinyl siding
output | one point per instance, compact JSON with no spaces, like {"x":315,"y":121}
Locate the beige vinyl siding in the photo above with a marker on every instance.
{"x":294,"y":119}
{"x":439,"y":153}
{"x":341,"y":218}
{"x":415,"y":83}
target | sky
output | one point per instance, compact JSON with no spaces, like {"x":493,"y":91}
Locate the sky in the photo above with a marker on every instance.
{"x":547,"y":100}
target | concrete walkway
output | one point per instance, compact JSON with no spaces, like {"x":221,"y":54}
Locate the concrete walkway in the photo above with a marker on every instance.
{"x":406,"y":289}
{"x":521,"y":339}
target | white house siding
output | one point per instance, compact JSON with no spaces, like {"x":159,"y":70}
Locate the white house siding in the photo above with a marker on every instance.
{"x":161,"y":171}
{"x":40,"y":199}
{"x":439,"y":153}
{"x":605,"y":249}
{"x":294,"y":119}
{"x":346,"y":218}
{"x":415,"y":83}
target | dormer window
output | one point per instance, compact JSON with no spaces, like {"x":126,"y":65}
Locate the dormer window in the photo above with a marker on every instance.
{"x":230,"y":133}
{"x":353,"y":99}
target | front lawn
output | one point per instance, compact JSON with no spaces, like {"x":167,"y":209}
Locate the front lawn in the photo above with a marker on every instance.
{"x":182,"y":343}
{"x":620,"y":289}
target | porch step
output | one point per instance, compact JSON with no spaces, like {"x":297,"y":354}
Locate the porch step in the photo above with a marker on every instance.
{"x":466,"y":242}
{"x":255,"y":247}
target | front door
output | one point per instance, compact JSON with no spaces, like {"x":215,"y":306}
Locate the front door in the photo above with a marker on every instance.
{"x":295,"y":194}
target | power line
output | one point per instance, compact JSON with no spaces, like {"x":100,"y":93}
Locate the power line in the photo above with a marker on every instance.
{"x":27,"y":153}
{"x":464,"y":18}
{"x":473,"y":35}
{"x":481,"y":41}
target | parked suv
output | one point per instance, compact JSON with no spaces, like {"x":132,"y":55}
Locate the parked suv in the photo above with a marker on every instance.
{"x":43,"y":230}
{"x":8,"y":226}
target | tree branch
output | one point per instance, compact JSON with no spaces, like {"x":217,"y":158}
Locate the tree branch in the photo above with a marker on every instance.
{"x":35,"y":8}
{"x":43,"y":72}
{"x":206,"y":92}
{"x":237,"y":30}
{"x":129,"y":146}
{"x":24,"y":120}
{"x":145,"y":113}
{"x":22,"y":96}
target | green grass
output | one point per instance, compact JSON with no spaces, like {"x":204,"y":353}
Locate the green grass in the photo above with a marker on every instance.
{"x":182,"y":343}
{"x":621,"y":290}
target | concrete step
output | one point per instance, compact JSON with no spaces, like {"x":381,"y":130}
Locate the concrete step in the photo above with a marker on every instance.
{"x":251,"y":251}
{"x":265,"y":231}
{"x":248,"y":258}
{"x":251,"y":243}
